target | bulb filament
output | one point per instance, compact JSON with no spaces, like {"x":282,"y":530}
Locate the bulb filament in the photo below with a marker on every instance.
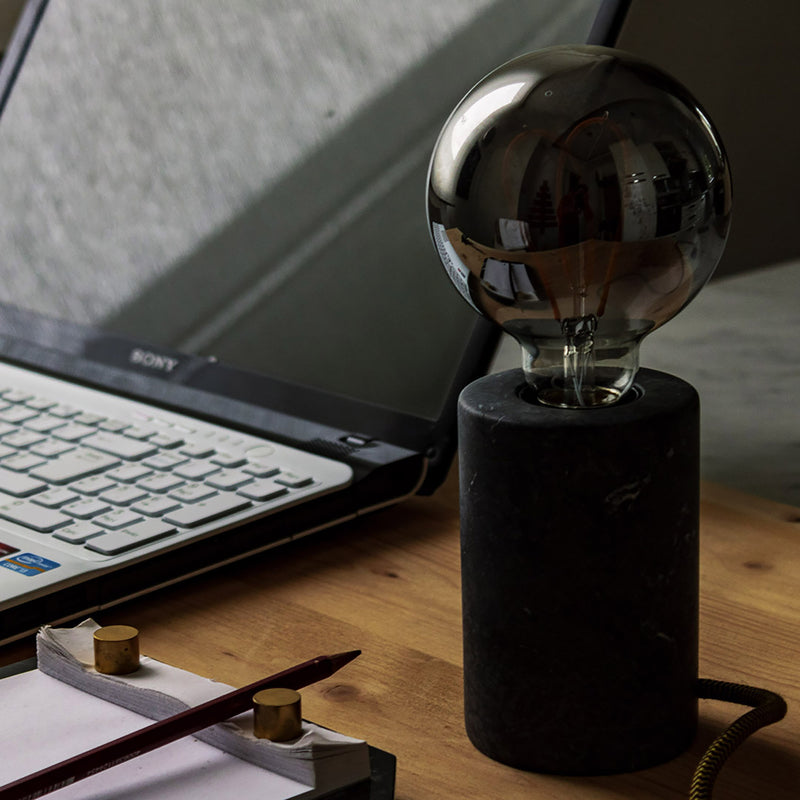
{"x":578,"y":357}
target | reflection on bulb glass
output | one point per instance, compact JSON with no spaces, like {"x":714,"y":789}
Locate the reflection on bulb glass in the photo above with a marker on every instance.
{"x":579,"y":197}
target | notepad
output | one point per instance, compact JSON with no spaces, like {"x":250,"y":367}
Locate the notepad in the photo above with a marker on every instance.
{"x":64,"y":707}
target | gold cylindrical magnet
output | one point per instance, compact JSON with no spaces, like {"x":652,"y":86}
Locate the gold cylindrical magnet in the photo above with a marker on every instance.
{"x":277,"y":715}
{"x":116,"y":649}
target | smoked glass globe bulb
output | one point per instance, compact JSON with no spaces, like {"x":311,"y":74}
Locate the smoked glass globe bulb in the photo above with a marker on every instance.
{"x":580,"y":197}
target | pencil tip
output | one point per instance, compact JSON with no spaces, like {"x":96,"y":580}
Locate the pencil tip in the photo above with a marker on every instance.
{"x":340,"y":659}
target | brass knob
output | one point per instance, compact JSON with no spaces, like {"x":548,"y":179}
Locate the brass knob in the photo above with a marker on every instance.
{"x":116,"y":649}
{"x":277,"y":715}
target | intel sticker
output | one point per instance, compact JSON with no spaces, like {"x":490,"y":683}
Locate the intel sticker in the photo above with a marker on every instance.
{"x":29,"y":564}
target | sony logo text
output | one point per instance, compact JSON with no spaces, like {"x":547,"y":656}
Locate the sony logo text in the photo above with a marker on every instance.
{"x":146,"y":358}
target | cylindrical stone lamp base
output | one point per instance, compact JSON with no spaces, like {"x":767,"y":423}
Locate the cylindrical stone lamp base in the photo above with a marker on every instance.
{"x":579,"y":533}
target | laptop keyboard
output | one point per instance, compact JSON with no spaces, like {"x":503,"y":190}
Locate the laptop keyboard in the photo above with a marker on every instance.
{"x":100,"y":477}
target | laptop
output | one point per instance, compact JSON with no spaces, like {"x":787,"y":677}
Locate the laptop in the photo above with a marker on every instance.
{"x":175,"y":396}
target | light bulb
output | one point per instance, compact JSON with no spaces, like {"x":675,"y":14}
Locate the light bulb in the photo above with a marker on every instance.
{"x":580,"y":197}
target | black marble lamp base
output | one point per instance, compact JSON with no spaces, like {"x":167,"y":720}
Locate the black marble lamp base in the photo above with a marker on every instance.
{"x":579,"y":533}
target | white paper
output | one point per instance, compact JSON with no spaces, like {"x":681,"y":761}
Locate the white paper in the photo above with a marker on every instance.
{"x":46,"y":721}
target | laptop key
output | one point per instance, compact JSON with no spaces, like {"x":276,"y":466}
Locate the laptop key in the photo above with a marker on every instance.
{"x":166,"y":440}
{"x":128,"y":473}
{"x":261,"y":470}
{"x":94,"y":484}
{"x":140,"y":431}
{"x":155,"y":506}
{"x":16,"y":395}
{"x":228,"y":460}
{"x":86,"y":508}
{"x":123,"y":495}
{"x":229,"y":479}
{"x":117,"y":519}
{"x":198,"y":450}
{"x":165,"y":461}
{"x":73,"y":466}
{"x":65,"y":411}
{"x":293,"y":480}
{"x":23,"y":438}
{"x":118,"y":445}
{"x":32,"y":516}
{"x":55,"y":497}
{"x":113,"y":425}
{"x":193,"y":493}
{"x":44,"y":423}
{"x":17,"y":414}
{"x":88,"y":418}
{"x":51,"y":448}
{"x":143,"y":533}
{"x":161,"y":483}
{"x":40,"y":403}
{"x":18,"y":484}
{"x":78,"y":532}
{"x":197,"y":470}
{"x":215,"y":507}
{"x":263,"y":490}
{"x":22,"y":462}
{"x":73,"y":432}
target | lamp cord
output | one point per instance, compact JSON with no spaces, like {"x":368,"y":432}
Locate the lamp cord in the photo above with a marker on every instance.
{"x":768,"y":707}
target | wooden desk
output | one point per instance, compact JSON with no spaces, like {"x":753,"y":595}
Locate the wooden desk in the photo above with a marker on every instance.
{"x":389,"y":584}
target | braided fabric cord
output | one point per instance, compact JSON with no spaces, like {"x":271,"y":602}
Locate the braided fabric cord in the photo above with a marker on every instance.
{"x":768,"y":707}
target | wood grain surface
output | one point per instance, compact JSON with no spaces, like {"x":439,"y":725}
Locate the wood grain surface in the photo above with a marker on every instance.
{"x":389,"y":585}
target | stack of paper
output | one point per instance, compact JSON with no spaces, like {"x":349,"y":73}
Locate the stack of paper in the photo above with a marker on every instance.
{"x":45,"y":720}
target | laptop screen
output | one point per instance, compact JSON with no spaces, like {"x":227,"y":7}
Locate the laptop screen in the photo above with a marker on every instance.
{"x":187,"y":174}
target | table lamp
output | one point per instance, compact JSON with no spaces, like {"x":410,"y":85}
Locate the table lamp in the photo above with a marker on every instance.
{"x":580,"y":197}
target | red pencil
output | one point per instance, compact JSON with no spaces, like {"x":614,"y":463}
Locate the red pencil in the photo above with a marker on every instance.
{"x":168,"y":730}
